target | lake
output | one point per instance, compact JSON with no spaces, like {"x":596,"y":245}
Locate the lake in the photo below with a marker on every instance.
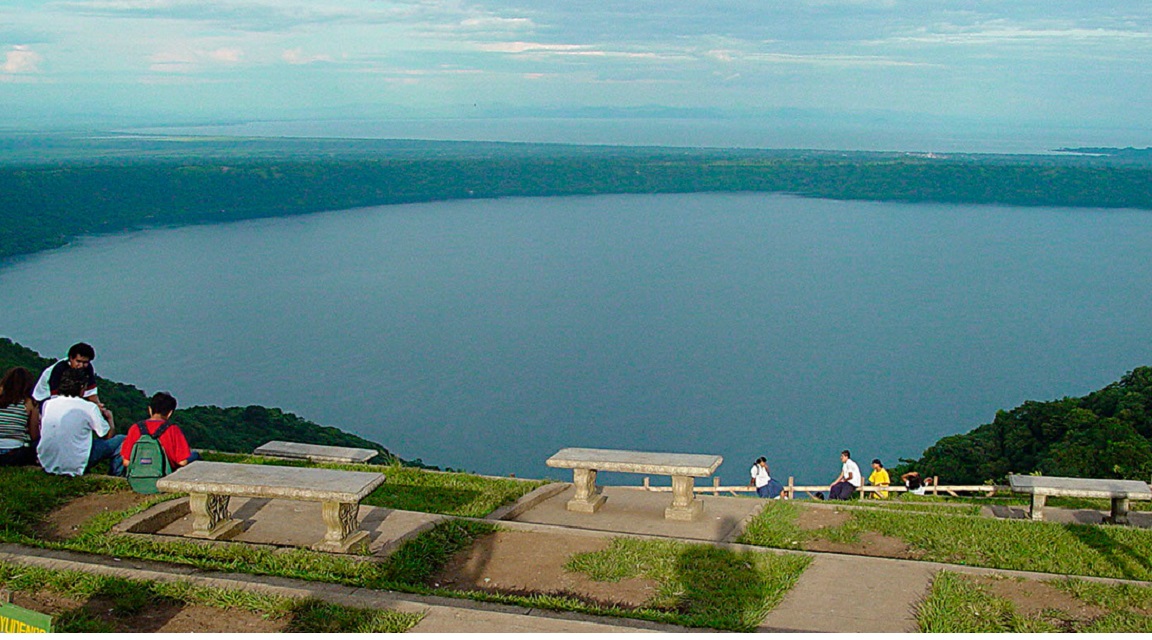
{"x":487,"y":334}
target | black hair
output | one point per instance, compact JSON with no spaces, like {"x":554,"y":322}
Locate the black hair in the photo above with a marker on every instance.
{"x":846,"y":453}
{"x":761,"y":459}
{"x":162,"y":403}
{"x":82,"y":349}
{"x":877,"y":461}
{"x":16,"y":386}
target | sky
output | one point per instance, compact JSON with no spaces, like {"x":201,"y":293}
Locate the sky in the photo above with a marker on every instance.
{"x":984,"y":67}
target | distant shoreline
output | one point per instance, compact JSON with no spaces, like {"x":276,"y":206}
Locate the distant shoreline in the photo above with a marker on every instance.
{"x":94,"y":185}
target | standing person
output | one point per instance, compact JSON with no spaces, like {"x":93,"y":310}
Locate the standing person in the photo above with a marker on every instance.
{"x":76,"y":434}
{"x":879,"y":477}
{"x":766,"y":485}
{"x":172,"y":439}
{"x":77,"y":369}
{"x":19,"y":419}
{"x":849,"y":479}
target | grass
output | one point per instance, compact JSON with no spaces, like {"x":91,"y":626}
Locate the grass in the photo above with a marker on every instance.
{"x":1067,"y":549}
{"x":129,"y":598}
{"x":412,"y":489}
{"x":958,"y":604}
{"x":706,"y":585}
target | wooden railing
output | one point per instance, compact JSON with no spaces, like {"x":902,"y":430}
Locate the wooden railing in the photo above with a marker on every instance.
{"x":791,"y":489}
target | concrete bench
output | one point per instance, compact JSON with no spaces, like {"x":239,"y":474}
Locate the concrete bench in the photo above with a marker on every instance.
{"x":314,"y":452}
{"x":210,"y":484}
{"x":1118,"y":491}
{"x":683,"y":467}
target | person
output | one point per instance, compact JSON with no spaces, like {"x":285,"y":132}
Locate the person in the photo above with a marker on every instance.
{"x":849,"y":479}
{"x":766,"y":485}
{"x":172,"y":441}
{"x":75,"y":434}
{"x":19,"y":419}
{"x":913,"y":482}
{"x":77,"y":368}
{"x":879,"y":478}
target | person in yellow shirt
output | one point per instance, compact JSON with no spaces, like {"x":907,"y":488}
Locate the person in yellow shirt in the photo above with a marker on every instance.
{"x":879,"y":477}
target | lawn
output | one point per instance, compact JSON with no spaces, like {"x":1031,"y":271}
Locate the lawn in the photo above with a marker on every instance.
{"x":1065,"y":549}
{"x":967,"y":604}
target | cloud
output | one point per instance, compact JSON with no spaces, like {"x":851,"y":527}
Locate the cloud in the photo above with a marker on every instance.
{"x":297,"y":56}
{"x":191,"y":61}
{"x":21,"y":60}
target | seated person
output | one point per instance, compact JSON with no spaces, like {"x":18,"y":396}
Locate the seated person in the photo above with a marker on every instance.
{"x":849,"y":479}
{"x":879,"y":477}
{"x":77,"y":369}
{"x":766,"y":485}
{"x":19,"y":419}
{"x":172,"y":441}
{"x":76,"y":434}
{"x":913,"y":482}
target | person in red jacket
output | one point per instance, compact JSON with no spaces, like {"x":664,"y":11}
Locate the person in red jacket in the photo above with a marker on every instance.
{"x":175,"y":445}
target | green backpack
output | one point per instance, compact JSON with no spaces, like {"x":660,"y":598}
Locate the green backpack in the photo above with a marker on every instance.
{"x":149,"y":463}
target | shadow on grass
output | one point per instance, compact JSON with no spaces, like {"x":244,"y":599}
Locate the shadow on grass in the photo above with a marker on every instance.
{"x":1131,"y":563}
{"x":119,"y":604}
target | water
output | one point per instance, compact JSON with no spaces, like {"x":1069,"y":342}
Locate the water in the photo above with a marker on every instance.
{"x":485,"y":335}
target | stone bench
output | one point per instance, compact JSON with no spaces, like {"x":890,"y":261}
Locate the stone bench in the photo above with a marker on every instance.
{"x":683,"y":467}
{"x":314,"y":452}
{"x":1118,"y":491}
{"x":210,"y":484}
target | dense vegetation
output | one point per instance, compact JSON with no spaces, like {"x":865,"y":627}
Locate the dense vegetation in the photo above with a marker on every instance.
{"x":55,"y":189}
{"x":234,"y":429}
{"x":1106,"y":434}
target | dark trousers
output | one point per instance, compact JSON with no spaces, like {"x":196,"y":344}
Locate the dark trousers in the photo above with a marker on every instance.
{"x":841,"y":491}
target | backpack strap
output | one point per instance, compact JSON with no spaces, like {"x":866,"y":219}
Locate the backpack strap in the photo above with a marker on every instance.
{"x":160,"y":430}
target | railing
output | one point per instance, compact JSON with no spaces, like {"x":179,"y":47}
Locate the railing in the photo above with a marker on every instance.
{"x":791,"y":489}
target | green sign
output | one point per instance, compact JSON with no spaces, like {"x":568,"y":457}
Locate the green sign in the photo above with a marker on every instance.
{"x":15,"y":619}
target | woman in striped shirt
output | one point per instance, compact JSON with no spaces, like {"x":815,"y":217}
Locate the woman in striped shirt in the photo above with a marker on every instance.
{"x":19,"y":418}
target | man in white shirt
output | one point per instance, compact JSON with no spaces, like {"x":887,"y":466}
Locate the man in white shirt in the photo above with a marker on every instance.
{"x":75,"y":434}
{"x":849,"y":479}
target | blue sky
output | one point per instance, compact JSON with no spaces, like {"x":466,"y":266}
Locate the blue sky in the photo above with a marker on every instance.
{"x":1047,"y":65}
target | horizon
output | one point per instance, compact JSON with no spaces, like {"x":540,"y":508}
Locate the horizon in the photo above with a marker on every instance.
{"x":825,"y":74}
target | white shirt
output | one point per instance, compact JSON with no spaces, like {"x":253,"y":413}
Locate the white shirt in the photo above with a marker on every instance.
{"x":850,"y":468}
{"x":760,"y":475}
{"x":66,"y":428}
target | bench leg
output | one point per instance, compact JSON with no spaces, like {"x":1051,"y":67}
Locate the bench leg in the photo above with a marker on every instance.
{"x":1119,"y":511}
{"x":342,"y":519}
{"x":588,"y":498}
{"x":1037,"y":511}
{"x":685,"y":506}
{"x":210,"y":517}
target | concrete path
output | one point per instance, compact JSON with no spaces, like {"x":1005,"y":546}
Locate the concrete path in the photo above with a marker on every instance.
{"x":853,"y":594}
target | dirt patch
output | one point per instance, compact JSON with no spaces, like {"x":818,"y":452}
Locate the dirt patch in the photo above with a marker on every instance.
{"x":162,"y":616}
{"x":869,"y":544}
{"x":1032,"y":597}
{"x":63,"y":523}
{"x":812,"y":518}
{"x":519,"y":562}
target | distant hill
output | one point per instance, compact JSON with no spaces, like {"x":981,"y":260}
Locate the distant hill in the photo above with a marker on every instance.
{"x":232,"y":429}
{"x":1105,"y":434}
{"x":54,"y":189}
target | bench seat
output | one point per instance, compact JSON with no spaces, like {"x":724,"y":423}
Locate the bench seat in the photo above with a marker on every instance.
{"x":210,"y":484}
{"x":682,"y":467}
{"x":1120,"y":492}
{"x":314,"y":452}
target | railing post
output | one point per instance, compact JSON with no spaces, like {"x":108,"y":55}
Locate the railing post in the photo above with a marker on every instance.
{"x":791,"y":488}
{"x":646,"y":483}
{"x":716,"y":485}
